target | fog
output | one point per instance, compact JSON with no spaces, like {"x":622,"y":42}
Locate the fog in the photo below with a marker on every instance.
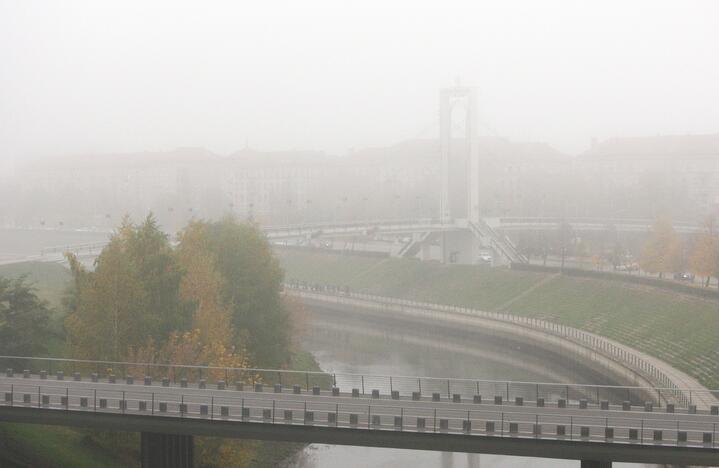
{"x":480,"y":218}
{"x":129,"y":76}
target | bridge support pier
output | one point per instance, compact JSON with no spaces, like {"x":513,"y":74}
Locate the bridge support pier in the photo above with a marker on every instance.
{"x":458,"y":247}
{"x":596,"y":464}
{"x":166,"y":450}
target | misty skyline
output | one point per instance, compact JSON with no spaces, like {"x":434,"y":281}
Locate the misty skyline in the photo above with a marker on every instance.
{"x":113,"y":77}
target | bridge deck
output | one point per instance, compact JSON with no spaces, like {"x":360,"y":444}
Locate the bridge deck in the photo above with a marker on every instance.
{"x":342,"y":419}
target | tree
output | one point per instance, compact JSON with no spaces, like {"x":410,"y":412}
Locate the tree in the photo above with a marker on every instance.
{"x":564,"y":237}
{"x":704,"y":258}
{"x":662,"y":252}
{"x":617,"y":255}
{"x":24,"y":319}
{"x":203,"y":285}
{"x":109,"y":306}
{"x":252,"y":281}
{"x":131,"y":296}
{"x":151,"y":253}
{"x":146,"y":302}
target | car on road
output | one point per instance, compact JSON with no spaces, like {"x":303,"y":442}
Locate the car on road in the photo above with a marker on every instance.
{"x":689,"y":277}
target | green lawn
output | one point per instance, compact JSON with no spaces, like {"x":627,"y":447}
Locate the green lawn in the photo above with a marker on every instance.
{"x":25,"y":445}
{"x":482,"y":287}
{"x":682,"y":330}
{"x":50,"y":279}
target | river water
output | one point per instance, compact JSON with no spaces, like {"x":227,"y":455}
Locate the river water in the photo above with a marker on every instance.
{"x":342,"y":347}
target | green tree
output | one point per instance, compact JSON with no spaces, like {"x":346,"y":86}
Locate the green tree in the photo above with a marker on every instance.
{"x":131,"y":296}
{"x":109,"y":305}
{"x":161,"y":275}
{"x":251,"y":287}
{"x":662,"y":252}
{"x":24,"y":319}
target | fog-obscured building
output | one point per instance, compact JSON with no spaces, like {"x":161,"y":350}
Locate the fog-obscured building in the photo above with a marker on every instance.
{"x":649,"y":176}
{"x":623,"y":177}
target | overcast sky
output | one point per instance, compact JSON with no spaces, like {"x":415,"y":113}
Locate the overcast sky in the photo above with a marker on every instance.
{"x":115,"y":76}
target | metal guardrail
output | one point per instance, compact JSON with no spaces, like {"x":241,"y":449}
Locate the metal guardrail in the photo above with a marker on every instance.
{"x":591,"y":224}
{"x":89,"y":247}
{"x":410,"y":225}
{"x":587,"y":220}
{"x":666,"y":391}
{"x":359,"y":223}
{"x":443,"y":389}
{"x":368,"y":415}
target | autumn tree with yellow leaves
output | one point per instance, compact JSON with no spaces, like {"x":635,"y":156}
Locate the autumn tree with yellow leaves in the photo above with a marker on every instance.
{"x":662,"y":253}
{"x":213,"y":299}
{"x":704,"y":258}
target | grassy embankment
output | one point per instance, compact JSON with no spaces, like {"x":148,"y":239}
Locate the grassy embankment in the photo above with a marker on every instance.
{"x":681,"y":330}
{"x":23,"y":445}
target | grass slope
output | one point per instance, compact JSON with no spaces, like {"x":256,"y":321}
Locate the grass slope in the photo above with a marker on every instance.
{"x":682,"y":330}
{"x":481,"y":287}
{"x":32,"y":445}
{"x":50,"y":279}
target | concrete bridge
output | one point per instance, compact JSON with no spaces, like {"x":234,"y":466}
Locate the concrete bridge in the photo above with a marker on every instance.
{"x":509,"y":224}
{"x":459,"y":241}
{"x":379,"y":411}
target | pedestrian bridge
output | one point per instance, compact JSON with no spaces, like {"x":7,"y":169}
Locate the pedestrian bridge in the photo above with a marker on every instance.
{"x":535,"y":419}
{"x":415,"y":232}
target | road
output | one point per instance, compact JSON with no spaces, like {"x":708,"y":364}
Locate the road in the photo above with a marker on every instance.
{"x":612,"y":426}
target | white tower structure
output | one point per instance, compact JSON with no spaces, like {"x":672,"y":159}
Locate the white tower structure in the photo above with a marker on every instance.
{"x":459,"y":154}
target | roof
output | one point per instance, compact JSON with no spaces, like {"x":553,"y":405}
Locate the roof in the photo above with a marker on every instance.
{"x":271,"y":158}
{"x":666,"y":146}
{"x":489,"y":148}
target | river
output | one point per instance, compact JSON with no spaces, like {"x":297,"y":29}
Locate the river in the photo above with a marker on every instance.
{"x":342,"y":347}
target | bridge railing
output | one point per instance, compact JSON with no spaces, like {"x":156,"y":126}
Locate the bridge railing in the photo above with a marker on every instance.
{"x":508,"y":220}
{"x":486,"y":420}
{"x":356,"y":223}
{"x":62,"y":368}
{"x":666,"y":390}
{"x":360,"y":385}
{"x":89,"y":247}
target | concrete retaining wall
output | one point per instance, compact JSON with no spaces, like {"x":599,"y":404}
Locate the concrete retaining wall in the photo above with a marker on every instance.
{"x":538,"y":334}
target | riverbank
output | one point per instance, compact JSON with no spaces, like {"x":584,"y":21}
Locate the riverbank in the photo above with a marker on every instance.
{"x":679,"y":330}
